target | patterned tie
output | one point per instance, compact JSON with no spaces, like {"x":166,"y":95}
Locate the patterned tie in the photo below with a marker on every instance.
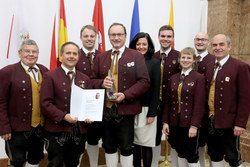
{"x":71,"y":76}
{"x":115,"y":57}
{"x":32,"y":69}
{"x":90,"y":57}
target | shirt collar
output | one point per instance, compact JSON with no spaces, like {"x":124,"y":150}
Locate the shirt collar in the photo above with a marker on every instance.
{"x":67,"y":70}
{"x":203,"y":55}
{"x":86,"y":51}
{"x":27,"y":67}
{"x":121,"y":50}
{"x":186,"y":72}
{"x":223,"y":61}
{"x":166,"y":52}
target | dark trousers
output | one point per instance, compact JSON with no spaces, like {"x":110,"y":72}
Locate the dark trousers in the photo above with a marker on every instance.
{"x":185,"y":146}
{"x":222,"y":142}
{"x":25,"y":146}
{"x":118,"y":132}
{"x":95,"y":132}
{"x":63,"y":152}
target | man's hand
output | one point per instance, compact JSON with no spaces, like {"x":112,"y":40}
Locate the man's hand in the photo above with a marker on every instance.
{"x":69,"y":119}
{"x":165,"y":129}
{"x":88,"y":121}
{"x":120,"y":97}
{"x":192,"y":132}
{"x":107,"y":82}
{"x":238,"y":131}
{"x":6,"y":136}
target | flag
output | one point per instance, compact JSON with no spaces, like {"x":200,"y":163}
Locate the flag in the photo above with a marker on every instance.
{"x":135,"y":25}
{"x":99,"y":26}
{"x":18,"y":33}
{"x":63,"y":36}
{"x":53,"y":60}
{"x":171,"y":19}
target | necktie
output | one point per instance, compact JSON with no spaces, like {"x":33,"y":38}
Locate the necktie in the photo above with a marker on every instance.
{"x":182,"y":77}
{"x":115,"y":59}
{"x":215,"y":67}
{"x":90,"y":57}
{"x":163,"y":57}
{"x":32,"y":69}
{"x":71,"y":76}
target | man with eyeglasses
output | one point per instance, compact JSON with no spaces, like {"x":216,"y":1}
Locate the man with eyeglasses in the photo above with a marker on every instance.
{"x":201,"y":43}
{"x":85,"y":65}
{"x":123,"y":73}
{"x":21,"y":122}
{"x":168,"y":57}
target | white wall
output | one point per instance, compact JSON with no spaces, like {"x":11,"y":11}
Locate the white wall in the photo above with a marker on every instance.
{"x":38,"y":16}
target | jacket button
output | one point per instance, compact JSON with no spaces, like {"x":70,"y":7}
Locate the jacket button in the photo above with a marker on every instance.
{"x":181,"y":102}
{"x":124,"y":79}
{"x":65,"y":97}
{"x":24,"y":112}
{"x":187,"y":90}
{"x":173,"y":108}
{"x":186,"y":104}
{"x":222,"y":81}
{"x":124,"y":87}
{"x":173,"y":102}
{"x":64,"y":83}
{"x":24,"y":97}
{"x":30,"y":104}
{"x":220,"y":109}
{"x":64,"y":90}
{"x":169,"y":72}
{"x":163,"y":86}
{"x":125,"y":72}
{"x":65,"y":105}
{"x":83,"y":62}
{"x":186,"y":110}
{"x":84,"y":69}
{"x":169,"y":65}
{"x":220,"y":102}
{"x":23,"y":81}
{"x":221,"y":95}
{"x":221,"y":88}
{"x":186,"y":97}
{"x":186,"y":116}
{"x":24,"y":120}
{"x":24,"y":89}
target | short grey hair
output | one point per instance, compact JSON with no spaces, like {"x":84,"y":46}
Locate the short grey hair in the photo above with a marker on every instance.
{"x":28,"y":42}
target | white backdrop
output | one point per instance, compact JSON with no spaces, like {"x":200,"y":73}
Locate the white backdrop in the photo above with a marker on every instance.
{"x":190,"y":17}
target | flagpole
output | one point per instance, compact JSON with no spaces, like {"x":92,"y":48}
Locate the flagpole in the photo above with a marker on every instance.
{"x":166,"y":162}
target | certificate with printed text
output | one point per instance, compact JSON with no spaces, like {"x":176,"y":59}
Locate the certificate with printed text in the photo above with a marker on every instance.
{"x":86,"y":103}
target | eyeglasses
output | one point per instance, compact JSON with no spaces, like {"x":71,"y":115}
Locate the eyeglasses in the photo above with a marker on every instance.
{"x":114,"y":35}
{"x":200,"y":39}
{"x":27,"y":51}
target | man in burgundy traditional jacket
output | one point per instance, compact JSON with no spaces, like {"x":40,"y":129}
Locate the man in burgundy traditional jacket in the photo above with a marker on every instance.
{"x":168,"y":57}
{"x":201,"y":43}
{"x":227,"y":83}
{"x":21,"y":122}
{"x":85,"y":65}
{"x":123,"y":72}
{"x":65,"y":136}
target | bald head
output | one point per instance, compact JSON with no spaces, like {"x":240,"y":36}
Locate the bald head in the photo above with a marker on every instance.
{"x":201,"y":42}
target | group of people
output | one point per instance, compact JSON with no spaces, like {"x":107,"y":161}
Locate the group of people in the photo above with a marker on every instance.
{"x":195,"y":100}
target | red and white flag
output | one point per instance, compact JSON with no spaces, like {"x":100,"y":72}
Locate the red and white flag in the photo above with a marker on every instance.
{"x":18,"y":33}
{"x":99,"y":26}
